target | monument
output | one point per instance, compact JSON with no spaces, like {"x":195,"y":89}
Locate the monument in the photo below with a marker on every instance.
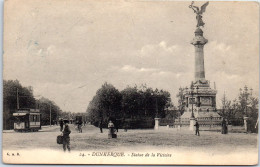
{"x":200,"y":98}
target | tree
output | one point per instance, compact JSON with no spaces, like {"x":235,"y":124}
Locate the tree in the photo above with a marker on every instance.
{"x":181,"y":100}
{"x":246,"y":103}
{"x":171,"y":112}
{"x":47,"y":108}
{"x":14,"y":96}
{"x":105,"y":104}
{"x":131,"y":103}
{"x":228,"y":109}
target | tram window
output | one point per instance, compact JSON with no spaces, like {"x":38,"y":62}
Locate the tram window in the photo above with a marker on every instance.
{"x":34,"y":118}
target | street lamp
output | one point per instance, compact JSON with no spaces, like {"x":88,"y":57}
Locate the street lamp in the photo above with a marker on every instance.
{"x":192,"y":93}
{"x":211,"y":117}
{"x":50,"y":114}
{"x":156,"y":104}
{"x":156,"y":123}
{"x":246,"y":96}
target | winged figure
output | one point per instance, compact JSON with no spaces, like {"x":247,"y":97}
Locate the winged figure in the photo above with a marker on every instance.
{"x":199,"y":12}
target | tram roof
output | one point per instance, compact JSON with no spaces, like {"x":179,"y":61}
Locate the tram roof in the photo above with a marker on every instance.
{"x":28,"y":110}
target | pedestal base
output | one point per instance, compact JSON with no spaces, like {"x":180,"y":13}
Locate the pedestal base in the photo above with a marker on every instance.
{"x":192,"y":123}
{"x":245,"y":123}
{"x":156,"y":123}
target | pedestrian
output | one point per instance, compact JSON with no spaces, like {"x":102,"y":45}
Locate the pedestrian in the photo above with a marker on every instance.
{"x":66,"y":136}
{"x":197,"y":128}
{"x":100,"y":126}
{"x":61,"y":125}
{"x":125,"y":126}
{"x":111,"y":132}
{"x":116,"y":125}
{"x":80,"y":126}
{"x":224,"y":126}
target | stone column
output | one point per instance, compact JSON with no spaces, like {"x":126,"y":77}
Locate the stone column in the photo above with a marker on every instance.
{"x":156,"y":124}
{"x":199,"y":41}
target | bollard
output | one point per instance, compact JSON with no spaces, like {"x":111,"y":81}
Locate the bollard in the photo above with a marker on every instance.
{"x":156,"y":123}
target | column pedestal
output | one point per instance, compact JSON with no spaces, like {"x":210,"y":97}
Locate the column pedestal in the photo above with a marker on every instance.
{"x":245,"y":123}
{"x":156,"y":123}
{"x":192,"y":123}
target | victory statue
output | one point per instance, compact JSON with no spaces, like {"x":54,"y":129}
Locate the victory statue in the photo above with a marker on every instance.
{"x":199,"y":12}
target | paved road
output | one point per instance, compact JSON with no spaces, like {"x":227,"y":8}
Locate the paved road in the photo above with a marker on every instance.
{"x":45,"y":138}
{"x":92,"y":139}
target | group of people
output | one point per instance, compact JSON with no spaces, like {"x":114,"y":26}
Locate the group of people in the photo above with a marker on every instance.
{"x":66,"y":131}
{"x":112,"y":129}
{"x":224,"y":129}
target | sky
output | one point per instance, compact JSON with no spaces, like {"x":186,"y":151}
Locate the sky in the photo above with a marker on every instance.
{"x":66,"y":49}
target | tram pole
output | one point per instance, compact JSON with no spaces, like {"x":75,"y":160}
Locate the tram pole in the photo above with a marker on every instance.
{"x":50,"y":114}
{"x":17,"y":98}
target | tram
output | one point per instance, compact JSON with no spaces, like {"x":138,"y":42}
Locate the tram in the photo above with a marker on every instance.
{"x":26,"y":120}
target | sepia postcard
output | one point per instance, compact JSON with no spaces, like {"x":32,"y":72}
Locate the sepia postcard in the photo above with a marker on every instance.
{"x":130,"y":82}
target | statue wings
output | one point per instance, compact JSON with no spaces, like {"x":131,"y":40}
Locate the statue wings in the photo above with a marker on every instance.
{"x":203,"y":8}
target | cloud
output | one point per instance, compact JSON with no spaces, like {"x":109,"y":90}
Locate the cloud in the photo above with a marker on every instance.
{"x":129,"y":68}
{"x":84,"y":49}
{"x":231,"y":60}
{"x":160,"y":49}
{"x":166,"y":57}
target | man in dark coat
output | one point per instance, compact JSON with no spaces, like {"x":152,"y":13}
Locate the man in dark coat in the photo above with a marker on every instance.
{"x":66,"y":137}
{"x":197,"y":128}
{"x":100,"y":126}
{"x":223,"y":124}
{"x":80,"y":126}
{"x":61,"y":125}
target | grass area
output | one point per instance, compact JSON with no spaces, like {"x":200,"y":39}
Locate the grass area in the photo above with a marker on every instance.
{"x":92,"y":139}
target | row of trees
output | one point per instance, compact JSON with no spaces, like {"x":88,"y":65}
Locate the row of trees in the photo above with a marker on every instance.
{"x":132,"y":102}
{"x":17,"y":96}
{"x":47,"y":108}
{"x":245,"y":105}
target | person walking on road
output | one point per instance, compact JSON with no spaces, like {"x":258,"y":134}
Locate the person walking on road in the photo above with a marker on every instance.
{"x":66,"y":137}
{"x":61,"y":125}
{"x":100,"y":126}
{"x":197,"y":128}
{"x":80,"y":126}
{"x":111,"y":130}
{"x":224,"y":126}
